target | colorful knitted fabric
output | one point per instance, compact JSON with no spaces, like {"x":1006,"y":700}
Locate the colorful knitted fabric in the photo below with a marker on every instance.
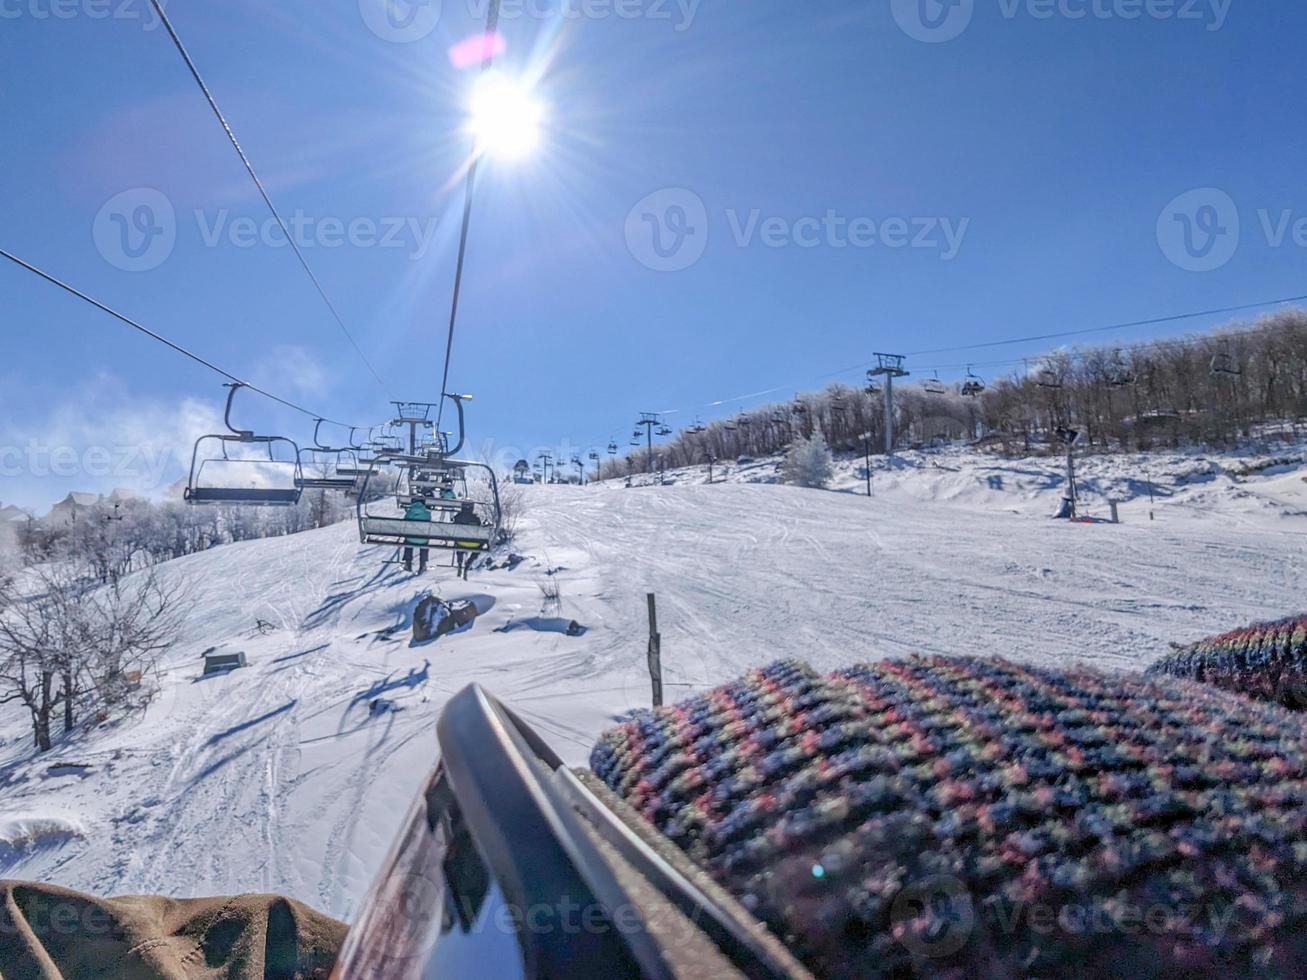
{"x":971,"y":818}
{"x":1267,"y":661}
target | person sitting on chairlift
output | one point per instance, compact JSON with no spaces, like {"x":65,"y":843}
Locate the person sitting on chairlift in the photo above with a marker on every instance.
{"x":467,"y":517}
{"x":417,"y":511}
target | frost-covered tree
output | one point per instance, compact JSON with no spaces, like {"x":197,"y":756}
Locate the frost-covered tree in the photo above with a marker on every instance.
{"x":70,"y":642}
{"x":808,"y":462}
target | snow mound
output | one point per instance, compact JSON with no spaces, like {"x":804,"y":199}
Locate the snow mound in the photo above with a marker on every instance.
{"x":24,"y":834}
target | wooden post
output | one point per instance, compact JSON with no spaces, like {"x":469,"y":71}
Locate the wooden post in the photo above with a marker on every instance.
{"x":655,"y":653}
{"x":1116,"y":517}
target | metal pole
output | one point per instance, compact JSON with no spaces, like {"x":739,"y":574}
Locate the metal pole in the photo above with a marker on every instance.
{"x":1071,"y":477}
{"x":889,"y":415}
{"x":866,"y":445}
{"x":655,"y":653}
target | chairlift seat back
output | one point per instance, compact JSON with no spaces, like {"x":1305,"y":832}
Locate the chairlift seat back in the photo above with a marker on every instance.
{"x":249,"y":496}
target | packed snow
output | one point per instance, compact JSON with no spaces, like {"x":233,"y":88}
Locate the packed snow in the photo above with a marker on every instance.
{"x":292,"y":774}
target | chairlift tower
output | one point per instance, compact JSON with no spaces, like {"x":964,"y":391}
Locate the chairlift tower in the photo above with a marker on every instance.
{"x":651,"y":422}
{"x":889,"y":367}
{"x":544,"y":459}
{"x":414,"y":415}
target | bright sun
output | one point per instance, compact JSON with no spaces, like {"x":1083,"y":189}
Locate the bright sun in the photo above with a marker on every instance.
{"x":505,"y":117}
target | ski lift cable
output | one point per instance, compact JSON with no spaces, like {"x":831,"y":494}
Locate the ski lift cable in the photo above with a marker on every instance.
{"x":231,"y":135}
{"x":488,"y":57}
{"x":1153,"y":321}
{"x":198,"y":359}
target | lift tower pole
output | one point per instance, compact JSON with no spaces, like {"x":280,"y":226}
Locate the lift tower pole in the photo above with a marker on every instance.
{"x":889,"y":367}
{"x":650,"y":421}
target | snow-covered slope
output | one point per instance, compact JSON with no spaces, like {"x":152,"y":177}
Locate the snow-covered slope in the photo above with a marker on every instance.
{"x":282,"y":777}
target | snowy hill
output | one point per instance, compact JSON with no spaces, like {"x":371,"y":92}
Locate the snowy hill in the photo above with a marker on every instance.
{"x":284,"y":777}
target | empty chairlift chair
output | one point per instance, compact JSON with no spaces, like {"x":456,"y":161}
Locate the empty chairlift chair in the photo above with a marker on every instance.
{"x":933,"y":386}
{"x":244,"y":480}
{"x":326,"y":468}
{"x":1224,"y":363}
{"x":1119,"y":374}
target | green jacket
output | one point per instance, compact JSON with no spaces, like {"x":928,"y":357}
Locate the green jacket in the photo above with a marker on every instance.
{"x":417,"y":511}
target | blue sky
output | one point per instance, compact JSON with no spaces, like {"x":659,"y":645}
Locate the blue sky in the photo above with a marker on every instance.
{"x":731,"y":197}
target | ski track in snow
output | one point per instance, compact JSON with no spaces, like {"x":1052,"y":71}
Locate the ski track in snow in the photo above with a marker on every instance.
{"x":279,"y":778}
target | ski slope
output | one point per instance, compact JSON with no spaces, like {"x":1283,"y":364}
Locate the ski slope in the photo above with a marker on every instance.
{"x":280,"y":777}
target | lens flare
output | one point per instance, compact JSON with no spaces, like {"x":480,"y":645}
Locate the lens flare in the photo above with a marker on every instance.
{"x":505,"y":117}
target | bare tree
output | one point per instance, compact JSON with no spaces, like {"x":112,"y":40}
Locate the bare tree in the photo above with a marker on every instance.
{"x":69,"y":641}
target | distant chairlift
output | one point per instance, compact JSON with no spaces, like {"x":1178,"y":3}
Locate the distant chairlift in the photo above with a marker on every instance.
{"x":326,"y":468}
{"x":1224,"y":364}
{"x":267,"y":483}
{"x":1119,"y":374}
{"x":1046,"y":377}
{"x":933,"y":386}
{"x":382,"y":522}
{"x":972,"y":386}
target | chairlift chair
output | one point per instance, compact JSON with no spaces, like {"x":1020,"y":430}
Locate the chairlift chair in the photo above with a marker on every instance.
{"x":392,"y":527}
{"x":972,"y":386}
{"x":1048,"y":378}
{"x":612,"y":448}
{"x":1223,"y":363}
{"x":280,"y":494}
{"x":1119,"y":374}
{"x":933,"y":386}
{"x":327,"y":468}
